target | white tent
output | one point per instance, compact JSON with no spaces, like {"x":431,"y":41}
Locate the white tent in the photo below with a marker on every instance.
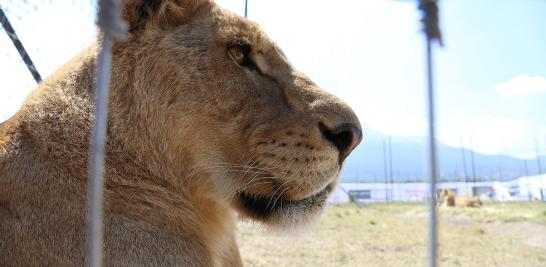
{"x":520,"y":189}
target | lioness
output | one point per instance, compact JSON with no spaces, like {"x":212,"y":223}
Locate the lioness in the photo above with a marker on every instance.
{"x":451,"y":199}
{"x":207,"y":118}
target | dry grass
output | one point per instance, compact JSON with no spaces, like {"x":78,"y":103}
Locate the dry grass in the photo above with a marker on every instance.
{"x":511,"y":234}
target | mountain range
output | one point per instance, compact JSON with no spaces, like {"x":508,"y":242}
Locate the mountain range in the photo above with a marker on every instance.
{"x":370,"y":162}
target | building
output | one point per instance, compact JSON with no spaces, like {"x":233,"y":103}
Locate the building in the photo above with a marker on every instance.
{"x":520,"y":189}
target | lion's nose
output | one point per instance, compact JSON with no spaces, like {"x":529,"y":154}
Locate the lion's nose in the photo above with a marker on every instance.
{"x":345,"y":137}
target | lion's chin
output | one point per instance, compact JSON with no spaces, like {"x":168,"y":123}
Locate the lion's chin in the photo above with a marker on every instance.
{"x":280,"y":212}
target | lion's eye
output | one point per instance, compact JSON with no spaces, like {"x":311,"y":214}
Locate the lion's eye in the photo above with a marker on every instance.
{"x":240,"y":53}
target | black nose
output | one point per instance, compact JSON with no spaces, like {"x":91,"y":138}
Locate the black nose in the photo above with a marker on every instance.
{"x":344,"y":137}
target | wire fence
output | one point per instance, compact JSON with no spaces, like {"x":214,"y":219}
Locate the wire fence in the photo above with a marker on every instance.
{"x":19,"y":46}
{"x":49,"y":45}
{"x":529,"y":188}
{"x":111,"y":27}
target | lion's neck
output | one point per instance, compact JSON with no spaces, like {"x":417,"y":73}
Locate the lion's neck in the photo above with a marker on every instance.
{"x":58,"y":118}
{"x":54,"y":126}
{"x":55,"y":119}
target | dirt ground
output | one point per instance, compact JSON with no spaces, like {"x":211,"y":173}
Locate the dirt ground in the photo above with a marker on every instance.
{"x":512,"y":234}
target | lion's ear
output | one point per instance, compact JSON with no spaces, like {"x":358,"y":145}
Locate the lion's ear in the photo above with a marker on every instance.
{"x":139,"y":13}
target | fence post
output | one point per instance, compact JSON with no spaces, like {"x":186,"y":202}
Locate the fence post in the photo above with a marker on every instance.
{"x":112,"y":26}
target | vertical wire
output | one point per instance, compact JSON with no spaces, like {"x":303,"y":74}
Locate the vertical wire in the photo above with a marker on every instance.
{"x":432,"y":33}
{"x":97,"y":155}
{"x":433,"y":169}
{"x":246,"y":8}
{"x":111,"y":24}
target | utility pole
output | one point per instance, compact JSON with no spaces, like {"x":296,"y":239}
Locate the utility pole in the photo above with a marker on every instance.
{"x":525,"y":169}
{"x":391,"y":167}
{"x":465,"y":178}
{"x":385,"y":173}
{"x":539,"y":165}
{"x":473,"y":165}
{"x":539,"y":168}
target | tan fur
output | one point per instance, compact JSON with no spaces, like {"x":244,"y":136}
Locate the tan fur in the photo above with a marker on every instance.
{"x":451,"y":199}
{"x":190,"y":134}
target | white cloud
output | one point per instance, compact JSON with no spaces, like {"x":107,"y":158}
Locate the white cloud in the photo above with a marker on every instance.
{"x":492,"y":135}
{"x":522,"y":85}
{"x":396,"y":125}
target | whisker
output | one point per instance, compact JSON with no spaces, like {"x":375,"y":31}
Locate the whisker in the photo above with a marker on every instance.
{"x":275,"y":196}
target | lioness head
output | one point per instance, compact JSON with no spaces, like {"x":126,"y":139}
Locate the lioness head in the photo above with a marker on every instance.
{"x":212,"y":99}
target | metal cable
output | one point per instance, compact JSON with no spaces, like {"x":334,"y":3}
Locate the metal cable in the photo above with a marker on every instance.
{"x":431,"y":20}
{"x":432,"y":33}
{"x":112,"y":26}
{"x":19,"y":46}
{"x":246,"y":8}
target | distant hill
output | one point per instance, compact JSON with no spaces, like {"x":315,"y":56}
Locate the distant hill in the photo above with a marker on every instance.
{"x":409,"y":157}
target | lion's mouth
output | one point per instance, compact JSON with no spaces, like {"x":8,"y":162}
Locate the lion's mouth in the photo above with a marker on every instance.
{"x":264,"y":207}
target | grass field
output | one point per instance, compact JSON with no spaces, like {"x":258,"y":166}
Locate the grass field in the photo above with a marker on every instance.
{"x":511,"y":234}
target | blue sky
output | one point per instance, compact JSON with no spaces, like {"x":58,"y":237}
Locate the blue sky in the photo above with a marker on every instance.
{"x":491,"y":74}
{"x":494,"y":57}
